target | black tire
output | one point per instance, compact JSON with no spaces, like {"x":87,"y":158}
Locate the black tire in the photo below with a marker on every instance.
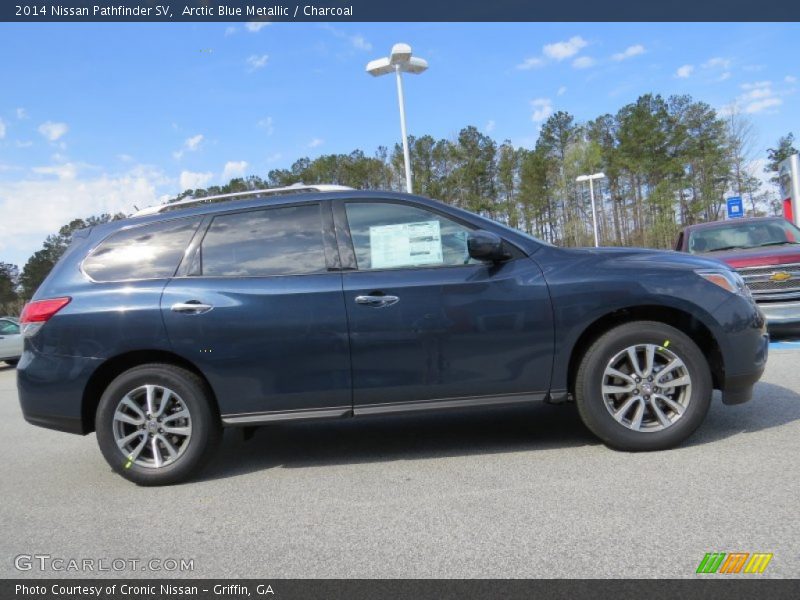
{"x":12,"y":363}
{"x":589,"y":387}
{"x":194,"y":394}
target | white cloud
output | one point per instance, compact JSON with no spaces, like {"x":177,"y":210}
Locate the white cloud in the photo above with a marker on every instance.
{"x":65,"y":171}
{"x":684,"y":71}
{"x":584,"y":62}
{"x":533,"y":62}
{"x":790,"y":79}
{"x":717,"y":62}
{"x":268,"y":125}
{"x":22,"y":113}
{"x":757,"y":97}
{"x":256,"y":61}
{"x":230,"y":30}
{"x":193,"y":143}
{"x":256,"y":26}
{"x":190,"y":180}
{"x":629,"y":52}
{"x":53,"y":131}
{"x":559,"y":51}
{"x":490,"y":125}
{"x":68,"y":195}
{"x":756,"y":84}
{"x":25,"y":144}
{"x":567,"y":49}
{"x":359,"y":43}
{"x":189,"y":145}
{"x":562,"y":90}
{"x":233,"y":168}
{"x":725,"y":76}
{"x":759,"y":105}
{"x":316,"y":143}
{"x":273,"y":158}
{"x":2,"y":129}
{"x":542,"y":108}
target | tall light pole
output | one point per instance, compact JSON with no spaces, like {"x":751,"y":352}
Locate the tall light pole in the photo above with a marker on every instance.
{"x":400,"y":61}
{"x":590,"y":179}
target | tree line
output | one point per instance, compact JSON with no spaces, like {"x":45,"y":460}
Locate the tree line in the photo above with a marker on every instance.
{"x":668,"y":162}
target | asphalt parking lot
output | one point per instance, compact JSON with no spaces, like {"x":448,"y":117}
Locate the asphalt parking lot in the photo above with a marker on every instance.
{"x":524,"y":492}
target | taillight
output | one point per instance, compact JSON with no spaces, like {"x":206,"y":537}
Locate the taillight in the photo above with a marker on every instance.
{"x":37,"y":313}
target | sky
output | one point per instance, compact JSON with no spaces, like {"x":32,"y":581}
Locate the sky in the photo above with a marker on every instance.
{"x":103,"y":117}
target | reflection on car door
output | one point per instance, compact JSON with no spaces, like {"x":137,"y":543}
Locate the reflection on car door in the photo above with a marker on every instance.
{"x":259,"y":313}
{"x":428,"y":323}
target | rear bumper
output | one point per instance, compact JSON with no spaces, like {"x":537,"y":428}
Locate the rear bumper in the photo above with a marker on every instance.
{"x":51,"y":390}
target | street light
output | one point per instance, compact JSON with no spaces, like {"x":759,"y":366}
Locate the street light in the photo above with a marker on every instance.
{"x":400,"y":61}
{"x":590,"y":179}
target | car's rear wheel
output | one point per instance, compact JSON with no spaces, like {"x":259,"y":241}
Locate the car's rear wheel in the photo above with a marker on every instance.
{"x":643,"y":386}
{"x":12,"y":363}
{"x":156,"y":425}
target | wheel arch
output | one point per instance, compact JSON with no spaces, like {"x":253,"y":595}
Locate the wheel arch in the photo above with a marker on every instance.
{"x":684,"y":321}
{"x":117,"y":365}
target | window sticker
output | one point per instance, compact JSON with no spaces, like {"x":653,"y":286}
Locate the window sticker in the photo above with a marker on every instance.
{"x":406,"y":244}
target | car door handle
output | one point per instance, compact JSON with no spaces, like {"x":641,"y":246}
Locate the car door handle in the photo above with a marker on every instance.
{"x":191,"y":307}
{"x":377,"y":301}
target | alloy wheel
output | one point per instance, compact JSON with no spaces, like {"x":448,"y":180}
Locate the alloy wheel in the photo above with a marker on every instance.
{"x":152,"y":426}
{"x":646,"y":387}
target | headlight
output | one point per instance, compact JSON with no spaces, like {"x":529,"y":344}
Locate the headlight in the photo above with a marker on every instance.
{"x":729,"y":281}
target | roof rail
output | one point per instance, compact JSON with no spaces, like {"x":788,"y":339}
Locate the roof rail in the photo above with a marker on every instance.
{"x":295,"y":187}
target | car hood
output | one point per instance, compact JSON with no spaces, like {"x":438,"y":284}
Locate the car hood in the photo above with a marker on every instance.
{"x":644,"y":258}
{"x":758,"y":257}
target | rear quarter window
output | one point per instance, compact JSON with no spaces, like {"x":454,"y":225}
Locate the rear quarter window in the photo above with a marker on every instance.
{"x":146,"y":252}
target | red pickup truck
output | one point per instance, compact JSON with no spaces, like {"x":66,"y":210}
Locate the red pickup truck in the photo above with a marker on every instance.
{"x":766,"y":253}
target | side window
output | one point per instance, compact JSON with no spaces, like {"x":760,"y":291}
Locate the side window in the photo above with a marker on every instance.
{"x":392,"y":236}
{"x":275,"y":241}
{"x":8,"y":328}
{"x":146,"y":252}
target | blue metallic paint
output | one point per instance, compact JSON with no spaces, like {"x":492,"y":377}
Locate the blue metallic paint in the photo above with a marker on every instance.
{"x":300,"y":343}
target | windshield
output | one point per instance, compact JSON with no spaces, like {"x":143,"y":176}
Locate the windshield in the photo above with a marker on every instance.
{"x":747,"y":234}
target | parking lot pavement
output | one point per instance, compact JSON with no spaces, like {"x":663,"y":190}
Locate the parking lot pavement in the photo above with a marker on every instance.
{"x":524,"y":492}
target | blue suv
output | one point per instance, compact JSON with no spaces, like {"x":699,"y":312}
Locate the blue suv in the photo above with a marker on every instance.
{"x":158,"y":330}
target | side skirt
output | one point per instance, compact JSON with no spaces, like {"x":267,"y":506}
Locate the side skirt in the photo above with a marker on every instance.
{"x":248,"y":419}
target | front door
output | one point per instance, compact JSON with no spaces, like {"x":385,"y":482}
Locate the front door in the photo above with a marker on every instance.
{"x":261,"y":315}
{"x":429,"y":325}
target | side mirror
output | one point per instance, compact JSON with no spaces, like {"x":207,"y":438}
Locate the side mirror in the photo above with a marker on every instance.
{"x":486,"y":246}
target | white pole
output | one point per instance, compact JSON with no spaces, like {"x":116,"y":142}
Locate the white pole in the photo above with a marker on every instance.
{"x":594,"y":213}
{"x":406,"y":155}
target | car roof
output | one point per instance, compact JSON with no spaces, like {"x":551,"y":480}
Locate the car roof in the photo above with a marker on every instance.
{"x":233,"y":204}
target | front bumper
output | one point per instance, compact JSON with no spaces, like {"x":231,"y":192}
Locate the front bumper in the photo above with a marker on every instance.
{"x":781,"y":313}
{"x":51,"y":388}
{"x":744,"y":343}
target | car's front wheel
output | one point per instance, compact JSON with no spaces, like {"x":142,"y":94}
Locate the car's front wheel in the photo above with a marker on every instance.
{"x":155,"y":424}
{"x":643,"y":386}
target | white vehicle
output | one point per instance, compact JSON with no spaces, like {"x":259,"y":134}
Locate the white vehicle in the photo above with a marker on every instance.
{"x":10,"y":341}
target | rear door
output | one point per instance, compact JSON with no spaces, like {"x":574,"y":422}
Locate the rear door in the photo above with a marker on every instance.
{"x":259,"y":308}
{"x":428,"y":324}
